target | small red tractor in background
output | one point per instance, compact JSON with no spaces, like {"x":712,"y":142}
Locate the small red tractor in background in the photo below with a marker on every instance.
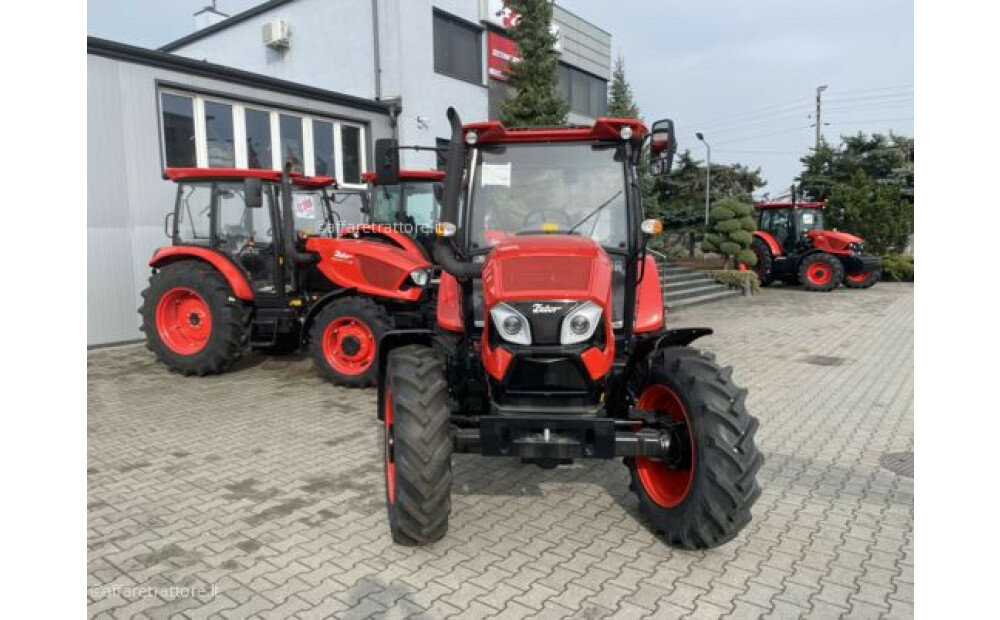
{"x":258,"y":259}
{"x":549,"y":342}
{"x":792,"y":245}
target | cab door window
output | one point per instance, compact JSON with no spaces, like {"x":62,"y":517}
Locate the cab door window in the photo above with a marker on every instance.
{"x":194,"y":214}
{"x":246,"y":234}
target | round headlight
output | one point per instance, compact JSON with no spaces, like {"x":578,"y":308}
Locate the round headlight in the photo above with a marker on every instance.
{"x":579,"y":324}
{"x":511,"y":325}
{"x":419,"y":277}
{"x":626,"y":132}
{"x":471,"y":138}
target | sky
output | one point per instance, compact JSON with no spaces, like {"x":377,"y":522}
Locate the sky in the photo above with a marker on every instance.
{"x":744,"y":74}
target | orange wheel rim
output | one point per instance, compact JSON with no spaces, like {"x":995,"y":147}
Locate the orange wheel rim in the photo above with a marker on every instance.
{"x":667,"y":487}
{"x":183,"y":321}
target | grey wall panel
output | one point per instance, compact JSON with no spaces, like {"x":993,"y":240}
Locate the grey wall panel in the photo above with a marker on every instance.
{"x":583,"y":45}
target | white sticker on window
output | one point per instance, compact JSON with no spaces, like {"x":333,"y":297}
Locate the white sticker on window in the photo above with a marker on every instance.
{"x":808,"y":219}
{"x":496,"y":174}
{"x":305,"y":207}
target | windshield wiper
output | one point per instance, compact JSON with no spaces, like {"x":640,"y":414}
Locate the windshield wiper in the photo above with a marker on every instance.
{"x":595,"y":211}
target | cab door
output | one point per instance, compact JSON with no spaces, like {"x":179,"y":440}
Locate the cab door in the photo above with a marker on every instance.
{"x":247,"y":234}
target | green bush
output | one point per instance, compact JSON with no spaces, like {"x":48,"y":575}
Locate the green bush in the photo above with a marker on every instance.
{"x":737,"y":279}
{"x":897,"y":268}
{"x":730,"y":232}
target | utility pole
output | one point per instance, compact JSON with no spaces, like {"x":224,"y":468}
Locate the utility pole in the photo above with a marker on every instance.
{"x":708,"y":175}
{"x":819,"y":112}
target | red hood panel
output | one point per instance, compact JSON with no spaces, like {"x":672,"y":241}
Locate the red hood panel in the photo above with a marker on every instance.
{"x":547,"y":267}
{"x":832,"y":239}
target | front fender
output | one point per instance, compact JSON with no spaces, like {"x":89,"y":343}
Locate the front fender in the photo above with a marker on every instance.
{"x":388,"y":342}
{"x":667,"y":338}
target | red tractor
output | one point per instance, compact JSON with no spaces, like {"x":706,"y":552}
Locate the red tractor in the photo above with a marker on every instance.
{"x":550,"y":345}
{"x":257,"y":259}
{"x":408,"y":202}
{"x":792,"y":245}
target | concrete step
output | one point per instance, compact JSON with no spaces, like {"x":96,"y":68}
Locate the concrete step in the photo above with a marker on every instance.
{"x":724,"y":293}
{"x":683,"y":276}
{"x":675,"y":287}
{"x":697,"y":291}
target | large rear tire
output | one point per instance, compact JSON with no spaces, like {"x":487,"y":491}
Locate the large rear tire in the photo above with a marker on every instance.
{"x":820,"y":272}
{"x":765,"y":262}
{"x":344,"y":340}
{"x":705,"y":500}
{"x":864,"y":279}
{"x":192,"y":321}
{"x":417,"y":446}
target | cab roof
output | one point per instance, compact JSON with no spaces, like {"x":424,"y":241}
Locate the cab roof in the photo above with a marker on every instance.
{"x":410,"y":175}
{"x":789,"y":205}
{"x":604,"y":128}
{"x":238,"y":174}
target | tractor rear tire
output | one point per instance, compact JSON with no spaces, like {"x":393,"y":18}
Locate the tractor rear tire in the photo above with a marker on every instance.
{"x":707,"y":503}
{"x":417,"y":446}
{"x":864,"y":279}
{"x":765,"y":262}
{"x":344,"y":340}
{"x":192,"y":321}
{"x":820,"y":272}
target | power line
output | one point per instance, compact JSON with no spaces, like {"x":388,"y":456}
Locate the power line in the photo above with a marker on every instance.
{"x":764,"y":135}
{"x":881,"y":88}
{"x":871,"y":120}
{"x":749,"y":114}
{"x":893,"y":97}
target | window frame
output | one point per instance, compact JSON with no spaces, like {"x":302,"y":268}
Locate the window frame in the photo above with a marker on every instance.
{"x":238,"y":109}
{"x":454,"y":20}
{"x":595,"y":109}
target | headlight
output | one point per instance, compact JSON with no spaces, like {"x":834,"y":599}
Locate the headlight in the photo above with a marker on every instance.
{"x":580,"y":324}
{"x":420,"y":277}
{"x":510,"y":324}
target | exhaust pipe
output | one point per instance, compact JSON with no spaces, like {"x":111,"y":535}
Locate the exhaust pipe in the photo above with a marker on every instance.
{"x":444,"y":252}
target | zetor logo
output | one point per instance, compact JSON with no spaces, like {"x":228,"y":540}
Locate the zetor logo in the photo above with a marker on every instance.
{"x":544,"y":309}
{"x":337,"y":254}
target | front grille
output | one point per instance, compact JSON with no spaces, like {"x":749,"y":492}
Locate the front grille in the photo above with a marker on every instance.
{"x":380,"y":273}
{"x":555,"y":374}
{"x":562,"y":273}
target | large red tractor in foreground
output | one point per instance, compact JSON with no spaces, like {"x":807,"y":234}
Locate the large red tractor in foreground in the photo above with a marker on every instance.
{"x":259,"y":259}
{"x":550,"y":344}
{"x":792,"y":245}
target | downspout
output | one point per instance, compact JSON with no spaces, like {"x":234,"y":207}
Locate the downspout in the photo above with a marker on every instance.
{"x":378,"y":58}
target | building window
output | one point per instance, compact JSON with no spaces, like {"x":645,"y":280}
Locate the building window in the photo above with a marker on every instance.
{"x":323,"y":159}
{"x":219,"y":132}
{"x":291,"y":142}
{"x":586,"y":94}
{"x":178,"y":131}
{"x":207,"y":133}
{"x":258,"y":127}
{"x":350,"y":140}
{"x":457,"y":49}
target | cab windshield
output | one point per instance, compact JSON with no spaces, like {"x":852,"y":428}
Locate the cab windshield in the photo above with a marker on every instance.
{"x":409,"y":204}
{"x":575,"y":188}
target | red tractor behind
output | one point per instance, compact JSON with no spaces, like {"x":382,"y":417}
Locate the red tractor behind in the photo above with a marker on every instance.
{"x":258,"y":259}
{"x":792,"y":245}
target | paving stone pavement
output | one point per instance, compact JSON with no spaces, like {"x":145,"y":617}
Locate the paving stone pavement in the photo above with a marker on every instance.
{"x":266,"y":484}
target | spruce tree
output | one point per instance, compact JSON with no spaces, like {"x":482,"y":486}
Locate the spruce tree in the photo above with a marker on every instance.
{"x":621,"y":103}
{"x":538,"y":100}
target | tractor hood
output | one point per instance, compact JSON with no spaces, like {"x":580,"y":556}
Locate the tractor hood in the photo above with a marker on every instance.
{"x":547,"y":266}
{"x":832,"y":239}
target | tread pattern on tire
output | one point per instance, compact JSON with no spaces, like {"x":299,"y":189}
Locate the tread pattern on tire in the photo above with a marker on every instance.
{"x":230,"y":318}
{"x":834,"y":264}
{"x":869,"y":282}
{"x":724,"y":487}
{"x":423,"y":446}
{"x":765,"y":262}
{"x":363,"y":308}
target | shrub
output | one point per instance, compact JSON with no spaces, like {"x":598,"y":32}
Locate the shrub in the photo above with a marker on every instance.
{"x":897,"y":268}
{"x":737,"y":279}
{"x":730,"y":232}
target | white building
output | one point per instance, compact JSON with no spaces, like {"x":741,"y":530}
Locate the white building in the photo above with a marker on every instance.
{"x":425,"y":54}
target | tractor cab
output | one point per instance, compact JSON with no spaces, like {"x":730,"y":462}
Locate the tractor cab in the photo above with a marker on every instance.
{"x":550,"y":343}
{"x":410,"y":203}
{"x":788,"y":222}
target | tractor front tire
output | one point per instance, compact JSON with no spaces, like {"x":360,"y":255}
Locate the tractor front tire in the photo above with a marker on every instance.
{"x":417,"y":446}
{"x":764,"y":262}
{"x":820,"y":272}
{"x":705,"y":500}
{"x":191,"y":319}
{"x":344,"y":340}
{"x":864,"y":279}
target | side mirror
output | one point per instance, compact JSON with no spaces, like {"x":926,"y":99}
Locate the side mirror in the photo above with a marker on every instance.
{"x":663,"y":145}
{"x":386,"y":162}
{"x":253,"y":193}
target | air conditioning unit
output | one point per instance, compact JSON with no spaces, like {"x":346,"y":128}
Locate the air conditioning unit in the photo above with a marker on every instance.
{"x":275,"y":34}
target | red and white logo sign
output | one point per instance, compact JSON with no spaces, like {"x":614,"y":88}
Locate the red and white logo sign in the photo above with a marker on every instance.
{"x":502,"y":52}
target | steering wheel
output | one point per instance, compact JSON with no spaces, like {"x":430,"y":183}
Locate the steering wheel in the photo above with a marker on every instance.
{"x":534,"y":219}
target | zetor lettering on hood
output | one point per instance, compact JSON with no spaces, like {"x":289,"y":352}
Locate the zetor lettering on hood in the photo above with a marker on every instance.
{"x":544,"y":309}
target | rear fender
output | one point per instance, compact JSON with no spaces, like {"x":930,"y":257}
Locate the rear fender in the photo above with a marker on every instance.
{"x":234,"y":275}
{"x":388,"y":342}
{"x":771,"y":242}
